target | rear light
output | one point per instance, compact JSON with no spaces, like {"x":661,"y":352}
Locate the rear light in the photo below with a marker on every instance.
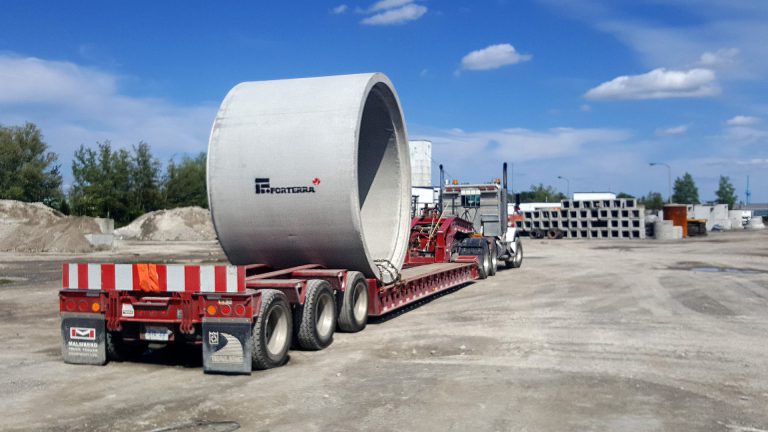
{"x":239,"y":310}
{"x":70,"y":305}
{"x":211,"y":310}
{"x":95,"y":307}
{"x":82,"y":306}
{"x":226,"y":310}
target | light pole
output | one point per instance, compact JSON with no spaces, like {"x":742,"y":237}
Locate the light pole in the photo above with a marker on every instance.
{"x":669,"y":176}
{"x":567,"y":186}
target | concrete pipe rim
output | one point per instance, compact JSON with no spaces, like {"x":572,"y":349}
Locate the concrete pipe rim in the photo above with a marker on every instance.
{"x":375,"y":198}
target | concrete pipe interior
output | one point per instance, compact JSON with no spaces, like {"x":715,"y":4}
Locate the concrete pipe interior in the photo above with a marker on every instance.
{"x":378,"y":172}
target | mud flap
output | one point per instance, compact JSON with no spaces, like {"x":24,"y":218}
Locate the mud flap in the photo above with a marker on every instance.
{"x":227,"y":346}
{"x":83,"y":339}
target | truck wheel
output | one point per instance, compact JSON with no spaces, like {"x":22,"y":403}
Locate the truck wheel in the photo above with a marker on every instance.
{"x":116,"y":348}
{"x":517,"y":260}
{"x":494,"y":258}
{"x":353,"y":304}
{"x":315,"y":321}
{"x":272,"y":331}
{"x":119,"y":350}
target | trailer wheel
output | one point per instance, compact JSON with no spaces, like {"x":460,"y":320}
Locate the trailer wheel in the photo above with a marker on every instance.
{"x":272,"y":330}
{"x":353,"y":304}
{"x":517,"y":260}
{"x":118,"y":350}
{"x":315,"y":321}
{"x":494,"y":258}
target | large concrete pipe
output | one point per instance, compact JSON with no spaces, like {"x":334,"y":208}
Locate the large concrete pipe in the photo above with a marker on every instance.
{"x":312,"y":170}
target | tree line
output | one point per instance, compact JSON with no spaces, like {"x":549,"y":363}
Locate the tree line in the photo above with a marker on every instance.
{"x":118,"y":183}
{"x":684,"y":191}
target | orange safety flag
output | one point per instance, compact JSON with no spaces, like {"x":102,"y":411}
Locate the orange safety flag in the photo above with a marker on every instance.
{"x":148,"y":279}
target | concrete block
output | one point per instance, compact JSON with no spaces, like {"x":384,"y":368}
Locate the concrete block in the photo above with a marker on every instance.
{"x":100,"y":240}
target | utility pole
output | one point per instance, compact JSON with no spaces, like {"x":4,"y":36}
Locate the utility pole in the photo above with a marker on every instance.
{"x":669,"y":177}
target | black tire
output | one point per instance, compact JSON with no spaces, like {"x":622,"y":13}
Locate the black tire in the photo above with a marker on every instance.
{"x":119,"y":350}
{"x":494,"y":257}
{"x":517,"y":260}
{"x":352,"y":304}
{"x":315,"y":321}
{"x":272,"y":331}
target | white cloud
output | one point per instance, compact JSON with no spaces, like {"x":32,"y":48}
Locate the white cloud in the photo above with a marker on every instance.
{"x":658,"y":84}
{"x":388,"y":4}
{"x":741,"y":120}
{"x":671,"y":131}
{"x":493,"y":57}
{"x":721,"y":58}
{"x":585,"y":108}
{"x":524,"y":144}
{"x":75,"y":105}
{"x":401,"y":15}
{"x":340,"y":9}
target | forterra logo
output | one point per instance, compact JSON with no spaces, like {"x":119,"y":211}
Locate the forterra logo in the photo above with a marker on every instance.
{"x":263,"y":186}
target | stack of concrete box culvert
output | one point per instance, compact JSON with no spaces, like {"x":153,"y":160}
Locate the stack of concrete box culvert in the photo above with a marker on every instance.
{"x":619,"y":218}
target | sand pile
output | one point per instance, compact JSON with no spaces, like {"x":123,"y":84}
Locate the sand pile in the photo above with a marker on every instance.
{"x":35,"y":227}
{"x":179,"y":224}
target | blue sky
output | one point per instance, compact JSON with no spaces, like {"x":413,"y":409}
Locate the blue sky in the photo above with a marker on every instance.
{"x":589,"y":90}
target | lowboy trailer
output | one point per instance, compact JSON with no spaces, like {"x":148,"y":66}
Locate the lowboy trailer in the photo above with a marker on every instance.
{"x":244,"y":317}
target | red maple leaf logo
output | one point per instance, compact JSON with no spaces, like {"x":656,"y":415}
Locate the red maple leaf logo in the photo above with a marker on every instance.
{"x":315,"y":181}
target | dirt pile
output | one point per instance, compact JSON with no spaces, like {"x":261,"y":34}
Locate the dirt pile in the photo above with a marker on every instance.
{"x":179,"y":224}
{"x":35,"y":227}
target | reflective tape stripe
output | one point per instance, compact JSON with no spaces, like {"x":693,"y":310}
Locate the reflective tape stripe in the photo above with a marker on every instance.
{"x":207,"y":279}
{"x":72,"y":276}
{"x":232,"y":284}
{"x":123,"y":277}
{"x":82,"y":276}
{"x":94,"y":277}
{"x":174,"y":278}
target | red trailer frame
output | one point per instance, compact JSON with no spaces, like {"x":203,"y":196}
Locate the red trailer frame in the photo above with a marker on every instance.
{"x":199,"y":303}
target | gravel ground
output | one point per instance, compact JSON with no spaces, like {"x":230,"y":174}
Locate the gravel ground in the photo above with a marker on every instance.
{"x":588,"y":336}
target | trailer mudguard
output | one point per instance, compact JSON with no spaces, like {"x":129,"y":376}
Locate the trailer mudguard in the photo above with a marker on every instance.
{"x":83,"y":339}
{"x":227,"y":345}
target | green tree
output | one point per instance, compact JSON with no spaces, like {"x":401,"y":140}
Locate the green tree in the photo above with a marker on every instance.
{"x":184,"y":183}
{"x":624,"y":195}
{"x":685,"y":190}
{"x":652,"y":201}
{"x":541,"y":193}
{"x":145,"y":181}
{"x":102,"y":183}
{"x":28,"y":171}
{"x":726,"y":193}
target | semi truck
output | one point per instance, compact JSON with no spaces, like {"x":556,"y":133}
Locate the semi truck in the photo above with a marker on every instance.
{"x":476,"y":215}
{"x":248,"y":317}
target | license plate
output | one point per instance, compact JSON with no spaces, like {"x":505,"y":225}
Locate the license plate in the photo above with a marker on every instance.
{"x":159,"y":334}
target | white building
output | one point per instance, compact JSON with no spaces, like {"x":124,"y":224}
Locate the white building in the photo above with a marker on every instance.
{"x":421,"y":163}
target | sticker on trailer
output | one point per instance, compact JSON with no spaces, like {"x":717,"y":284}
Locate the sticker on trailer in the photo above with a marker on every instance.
{"x":82,"y":333}
{"x":127,"y":310}
{"x":229,"y":351}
